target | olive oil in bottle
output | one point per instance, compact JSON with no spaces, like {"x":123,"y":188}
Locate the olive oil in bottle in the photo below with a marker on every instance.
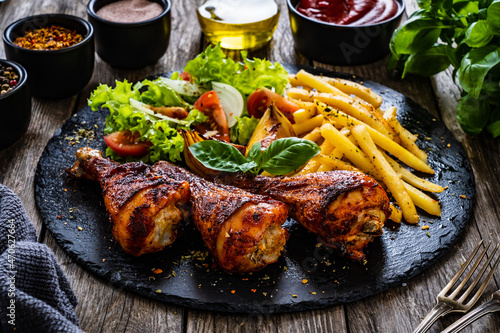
{"x":238,"y":24}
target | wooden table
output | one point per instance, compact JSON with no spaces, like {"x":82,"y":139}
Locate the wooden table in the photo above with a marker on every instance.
{"x":102,"y":308}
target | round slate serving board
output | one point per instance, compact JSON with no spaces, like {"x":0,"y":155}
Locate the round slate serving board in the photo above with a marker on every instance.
{"x":307,"y":276}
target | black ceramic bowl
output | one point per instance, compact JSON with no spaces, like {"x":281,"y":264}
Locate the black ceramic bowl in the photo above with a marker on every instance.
{"x":130,"y":45}
{"x":15,"y":107}
{"x":54,"y":74}
{"x":340,"y":44}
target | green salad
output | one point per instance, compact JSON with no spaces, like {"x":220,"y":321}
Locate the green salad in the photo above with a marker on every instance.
{"x":145,"y":117}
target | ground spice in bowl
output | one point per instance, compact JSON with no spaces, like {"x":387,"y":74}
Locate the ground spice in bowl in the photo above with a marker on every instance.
{"x":48,"y":38}
{"x":130,"y":11}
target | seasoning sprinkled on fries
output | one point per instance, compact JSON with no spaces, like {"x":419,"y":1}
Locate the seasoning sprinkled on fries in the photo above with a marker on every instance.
{"x":354,"y":133}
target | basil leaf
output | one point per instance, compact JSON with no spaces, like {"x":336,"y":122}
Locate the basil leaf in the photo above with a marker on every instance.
{"x":288,"y":154}
{"x":483,"y":4}
{"x":418,"y":33}
{"x":428,"y":62}
{"x":493,"y":14}
{"x":220,"y":156}
{"x":473,"y":114}
{"x":255,"y":153}
{"x":474,"y":67}
{"x":479,"y":34}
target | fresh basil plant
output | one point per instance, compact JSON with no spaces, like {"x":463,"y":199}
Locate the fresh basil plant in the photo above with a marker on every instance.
{"x":465,"y":35}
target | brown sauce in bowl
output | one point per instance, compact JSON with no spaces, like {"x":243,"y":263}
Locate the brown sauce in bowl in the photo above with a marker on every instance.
{"x":349,"y":12}
{"x":130,"y":11}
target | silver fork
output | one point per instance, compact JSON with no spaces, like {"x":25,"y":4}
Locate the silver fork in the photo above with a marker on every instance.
{"x":491,"y":306}
{"x":455,"y":302}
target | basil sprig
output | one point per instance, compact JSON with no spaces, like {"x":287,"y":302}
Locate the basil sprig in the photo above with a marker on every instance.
{"x":281,"y":157}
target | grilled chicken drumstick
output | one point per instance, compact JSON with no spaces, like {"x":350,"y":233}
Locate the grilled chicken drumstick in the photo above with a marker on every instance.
{"x":145,"y":208}
{"x":345,"y":209}
{"x":242,"y":230}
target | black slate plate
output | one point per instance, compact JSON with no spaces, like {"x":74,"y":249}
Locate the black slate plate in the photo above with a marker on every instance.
{"x":308,"y":276}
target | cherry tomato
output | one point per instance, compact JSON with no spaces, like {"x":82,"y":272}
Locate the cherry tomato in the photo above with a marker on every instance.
{"x":124,"y":143}
{"x":209,"y":105}
{"x":185,"y":76}
{"x":260,"y":99}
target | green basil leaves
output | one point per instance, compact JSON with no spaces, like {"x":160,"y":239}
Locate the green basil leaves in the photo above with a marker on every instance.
{"x":281,"y":157}
{"x":465,"y":35}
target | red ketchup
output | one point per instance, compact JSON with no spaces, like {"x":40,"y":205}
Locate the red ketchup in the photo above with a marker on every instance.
{"x":349,"y":12}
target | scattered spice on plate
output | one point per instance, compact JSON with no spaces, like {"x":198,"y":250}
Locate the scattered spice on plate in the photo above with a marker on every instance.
{"x":48,"y":38}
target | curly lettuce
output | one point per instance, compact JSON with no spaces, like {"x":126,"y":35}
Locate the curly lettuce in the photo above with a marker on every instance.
{"x":213,"y":65}
{"x":243,"y":129}
{"x":167,"y":143}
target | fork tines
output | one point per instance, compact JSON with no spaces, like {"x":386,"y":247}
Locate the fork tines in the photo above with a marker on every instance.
{"x":461,"y":303}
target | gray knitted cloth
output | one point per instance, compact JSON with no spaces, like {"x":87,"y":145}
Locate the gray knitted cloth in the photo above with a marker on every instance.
{"x":35,"y":295}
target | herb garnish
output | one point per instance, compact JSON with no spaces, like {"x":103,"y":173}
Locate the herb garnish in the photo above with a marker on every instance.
{"x":281,"y":157}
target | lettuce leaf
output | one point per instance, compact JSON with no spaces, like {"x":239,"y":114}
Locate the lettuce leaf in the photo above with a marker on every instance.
{"x":159,"y":94}
{"x":213,"y":65}
{"x":243,"y":129}
{"x":167,"y":142}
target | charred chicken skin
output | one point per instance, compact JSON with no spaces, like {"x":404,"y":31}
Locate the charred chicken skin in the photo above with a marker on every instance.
{"x":145,"y":208}
{"x":241,"y":230}
{"x":346,"y":209}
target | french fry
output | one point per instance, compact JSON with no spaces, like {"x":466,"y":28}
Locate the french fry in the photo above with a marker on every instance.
{"x":310,"y":107}
{"x":294,"y":82}
{"x":313,"y":164}
{"x":391,"y":112}
{"x":388,"y":175}
{"x":356,"y":89}
{"x":347,"y":104}
{"x":351,"y":152}
{"x":396,"y":214}
{"x":335,"y":164}
{"x":301,"y":115}
{"x":313,"y":136}
{"x":336,"y":154}
{"x":308,"y":125}
{"x":410,"y":178}
{"x":423,"y":201}
{"x":406,"y":140}
{"x":318,"y":84}
{"x":380,"y":140}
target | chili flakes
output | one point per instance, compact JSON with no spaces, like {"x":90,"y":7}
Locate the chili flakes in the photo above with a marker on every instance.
{"x":48,"y":38}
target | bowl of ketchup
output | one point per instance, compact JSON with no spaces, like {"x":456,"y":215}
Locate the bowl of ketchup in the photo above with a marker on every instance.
{"x":344,"y":32}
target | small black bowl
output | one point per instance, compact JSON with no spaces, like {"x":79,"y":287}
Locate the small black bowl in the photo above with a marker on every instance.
{"x":54,"y":74}
{"x":342,"y":44}
{"x":15,"y":107}
{"x":130,"y":45}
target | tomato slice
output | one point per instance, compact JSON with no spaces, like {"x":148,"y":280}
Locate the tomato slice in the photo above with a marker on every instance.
{"x":209,"y":105}
{"x":124,"y":143}
{"x":260,"y":99}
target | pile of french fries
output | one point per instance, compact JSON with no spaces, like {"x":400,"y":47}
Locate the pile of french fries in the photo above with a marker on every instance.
{"x":345,"y":119}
